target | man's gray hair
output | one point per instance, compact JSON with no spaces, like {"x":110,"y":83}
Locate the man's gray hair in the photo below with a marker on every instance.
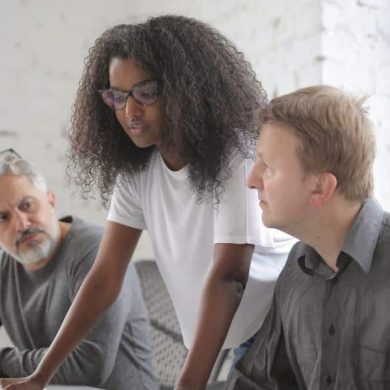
{"x":20,"y":167}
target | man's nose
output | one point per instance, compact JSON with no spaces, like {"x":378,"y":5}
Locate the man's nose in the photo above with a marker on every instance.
{"x":21,"y":221}
{"x":133,"y":110}
{"x":254,"y":179}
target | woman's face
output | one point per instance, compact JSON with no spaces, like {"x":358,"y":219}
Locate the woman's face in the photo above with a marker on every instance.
{"x":143,"y":124}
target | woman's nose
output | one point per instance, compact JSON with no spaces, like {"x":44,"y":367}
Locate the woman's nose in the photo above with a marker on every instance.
{"x":133,"y":110}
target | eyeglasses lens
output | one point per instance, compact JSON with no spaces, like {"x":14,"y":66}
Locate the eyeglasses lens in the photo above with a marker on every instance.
{"x":114,"y":99}
{"x":146,"y":94}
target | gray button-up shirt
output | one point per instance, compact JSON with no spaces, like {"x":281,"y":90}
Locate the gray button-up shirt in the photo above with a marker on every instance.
{"x":328,"y":330}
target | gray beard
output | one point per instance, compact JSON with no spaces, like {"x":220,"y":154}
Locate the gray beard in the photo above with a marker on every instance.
{"x":40,"y":251}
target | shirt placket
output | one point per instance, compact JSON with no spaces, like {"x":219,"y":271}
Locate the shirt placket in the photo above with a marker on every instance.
{"x":330,"y":336}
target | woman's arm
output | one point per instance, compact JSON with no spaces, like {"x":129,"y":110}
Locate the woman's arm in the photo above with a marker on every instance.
{"x":222,"y":294}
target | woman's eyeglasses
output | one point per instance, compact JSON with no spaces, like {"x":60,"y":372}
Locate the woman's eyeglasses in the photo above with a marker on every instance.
{"x":144,"y":93}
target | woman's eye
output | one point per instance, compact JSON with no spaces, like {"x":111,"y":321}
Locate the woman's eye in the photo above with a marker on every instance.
{"x":149,"y":91}
{"x":120,"y":97}
{"x":146,"y":94}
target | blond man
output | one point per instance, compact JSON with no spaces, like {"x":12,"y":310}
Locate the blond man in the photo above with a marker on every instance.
{"x":329,"y":327}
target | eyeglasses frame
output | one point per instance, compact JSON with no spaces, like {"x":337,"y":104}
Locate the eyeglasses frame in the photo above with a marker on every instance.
{"x":130,"y":93}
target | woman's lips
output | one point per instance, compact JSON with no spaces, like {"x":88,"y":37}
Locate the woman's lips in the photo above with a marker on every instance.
{"x":136,"y":128}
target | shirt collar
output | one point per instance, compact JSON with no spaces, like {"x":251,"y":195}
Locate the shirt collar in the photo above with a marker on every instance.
{"x":361,"y":240}
{"x":359,"y":244}
{"x":311,"y":263}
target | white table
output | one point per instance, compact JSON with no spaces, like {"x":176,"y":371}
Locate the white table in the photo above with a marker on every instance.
{"x":69,"y":387}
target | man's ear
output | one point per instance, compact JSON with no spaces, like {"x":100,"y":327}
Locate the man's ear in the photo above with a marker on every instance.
{"x":51,"y":196}
{"x":325,"y":186}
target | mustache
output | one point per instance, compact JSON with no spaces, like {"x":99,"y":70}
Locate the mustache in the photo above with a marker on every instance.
{"x":28,"y":232}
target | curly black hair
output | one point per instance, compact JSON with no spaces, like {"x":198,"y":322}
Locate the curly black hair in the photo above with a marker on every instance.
{"x":210,"y":93}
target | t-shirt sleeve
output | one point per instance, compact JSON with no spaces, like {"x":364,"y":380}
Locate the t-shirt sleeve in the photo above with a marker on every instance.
{"x":126,"y":206}
{"x":237,"y":217}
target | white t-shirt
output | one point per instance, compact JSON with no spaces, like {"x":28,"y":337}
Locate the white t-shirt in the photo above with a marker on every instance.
{"x":183,"y":233}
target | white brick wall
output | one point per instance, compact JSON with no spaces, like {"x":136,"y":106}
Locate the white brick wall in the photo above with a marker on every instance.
{"x":290,"y":44}
{"x":356,"y":56}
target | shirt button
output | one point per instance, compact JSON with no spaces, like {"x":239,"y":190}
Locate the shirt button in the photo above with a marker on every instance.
{"x":332,"y":330}
{"x":329,"y":380}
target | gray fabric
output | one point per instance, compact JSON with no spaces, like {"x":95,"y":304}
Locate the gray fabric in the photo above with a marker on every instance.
{"x":215,"y":386}
{"x":328,"y":330}
{"x":116,"y":355}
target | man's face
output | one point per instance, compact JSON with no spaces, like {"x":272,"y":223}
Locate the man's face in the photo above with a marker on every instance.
{"x":29,"y":229}
{"x":283,"y":186}
{"x":142,"y":123}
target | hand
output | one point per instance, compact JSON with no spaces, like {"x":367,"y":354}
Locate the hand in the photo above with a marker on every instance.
{"x":20,"y":384}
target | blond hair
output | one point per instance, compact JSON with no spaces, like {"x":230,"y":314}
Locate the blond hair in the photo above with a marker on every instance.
{"x":335,"y":135}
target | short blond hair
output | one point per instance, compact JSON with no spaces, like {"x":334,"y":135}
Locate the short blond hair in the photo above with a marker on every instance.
{"x":335,"y":135}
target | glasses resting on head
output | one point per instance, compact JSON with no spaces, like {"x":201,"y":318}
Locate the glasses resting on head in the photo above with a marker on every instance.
{"x":144,"y":93}
{"x":27,"y":204}
{"x":9,"y":155}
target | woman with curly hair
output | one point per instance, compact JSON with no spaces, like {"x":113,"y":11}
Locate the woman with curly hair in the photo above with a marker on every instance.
{"x":163,"y":125}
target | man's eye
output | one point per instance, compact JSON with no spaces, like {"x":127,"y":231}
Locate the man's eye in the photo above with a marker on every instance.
{"x":28,"y":205}
{"x":25,"y":206}
{"x":3,"y":217}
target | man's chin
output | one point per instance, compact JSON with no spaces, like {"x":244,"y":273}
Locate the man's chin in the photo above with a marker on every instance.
{"x":33,"y":256}
{"x":270,"y":223}
{"x":266,"y":220}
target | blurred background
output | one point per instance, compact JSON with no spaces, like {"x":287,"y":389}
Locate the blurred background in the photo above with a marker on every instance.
{"x":291,"y":44}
